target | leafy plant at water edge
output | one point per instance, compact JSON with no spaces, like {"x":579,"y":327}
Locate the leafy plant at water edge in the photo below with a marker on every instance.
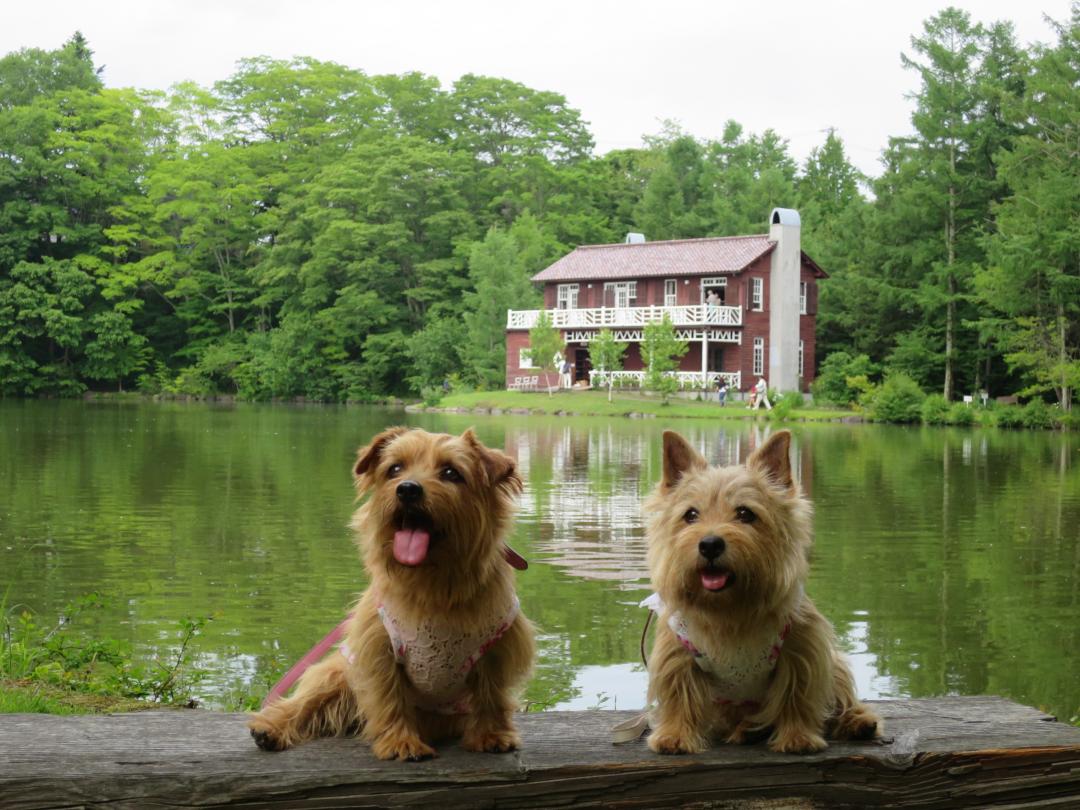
{"x":961,"y":414}
{"x":56,"y":656}
{"x":1009,"y":416}
{"x":1037,"y":415}
{"x":935,"y":410}
{"x":898,"y":399}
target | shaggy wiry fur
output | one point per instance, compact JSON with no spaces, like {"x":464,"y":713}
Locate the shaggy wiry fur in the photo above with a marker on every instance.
{"x":467,"y":499}
{"x":764,"y":525}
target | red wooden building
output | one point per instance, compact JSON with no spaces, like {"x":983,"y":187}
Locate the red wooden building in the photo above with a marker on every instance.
{"x":745,"y":304}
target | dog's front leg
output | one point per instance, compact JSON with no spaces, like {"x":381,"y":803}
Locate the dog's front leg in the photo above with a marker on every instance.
{"x":322,"y":706}
{"x":681,"y":691}
{"x":391,"y":724}
{"x":490,"y":724}
{"x":801,"y":691}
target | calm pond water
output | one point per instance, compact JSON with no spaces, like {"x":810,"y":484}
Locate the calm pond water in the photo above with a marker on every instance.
{"x":949,"y":560}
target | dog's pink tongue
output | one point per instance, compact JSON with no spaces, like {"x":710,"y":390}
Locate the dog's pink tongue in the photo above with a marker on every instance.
{"x":410,"y":546}
{"x":713,"y":582}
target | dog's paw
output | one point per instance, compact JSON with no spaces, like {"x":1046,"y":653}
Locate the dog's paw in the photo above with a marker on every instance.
{"x":492,"y":742}
{"x":407,"y":748}
{"x":857,"y":724}
{"x":667,"y":743}
{"x":797,"y":741}
{"x":266,"y":735}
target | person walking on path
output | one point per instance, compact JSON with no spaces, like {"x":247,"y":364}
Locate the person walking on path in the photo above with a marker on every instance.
{"x":721,"y":390}
{"x":761,"y":394}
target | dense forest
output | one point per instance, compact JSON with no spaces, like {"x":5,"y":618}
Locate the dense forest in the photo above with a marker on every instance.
{"x":303,"y":229}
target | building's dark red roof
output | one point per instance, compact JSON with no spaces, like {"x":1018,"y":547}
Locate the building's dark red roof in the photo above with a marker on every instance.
{"x":682,"y":257}
{"x":679,"y":257}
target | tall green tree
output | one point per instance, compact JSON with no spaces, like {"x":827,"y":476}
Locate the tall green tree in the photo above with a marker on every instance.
{"x":606,"y":355}
{"x":1031,"y":285}
{"x":662,"y":351}
{"x":545,"y":345}
{"x":500,"y":282}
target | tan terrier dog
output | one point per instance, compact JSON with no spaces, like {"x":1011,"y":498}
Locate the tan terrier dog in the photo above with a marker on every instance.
{"x":436,"y":646}
{"x":740,"y":652}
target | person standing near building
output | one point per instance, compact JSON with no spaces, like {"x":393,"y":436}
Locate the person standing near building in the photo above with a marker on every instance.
{"x":761,"y":394}
{"x":721,"y":390}
{"x":566,"y":380}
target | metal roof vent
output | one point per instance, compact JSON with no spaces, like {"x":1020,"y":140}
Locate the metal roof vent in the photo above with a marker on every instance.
{"x":635,"y":239}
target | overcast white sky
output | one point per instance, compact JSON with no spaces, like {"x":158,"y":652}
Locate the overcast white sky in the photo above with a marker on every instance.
{"x":797,"y":67}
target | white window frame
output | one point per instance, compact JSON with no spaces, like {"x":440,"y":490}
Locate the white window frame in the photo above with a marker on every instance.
{"x":617,"y":288}
{"x":757,"y":294}
{"x":524,"y":360}
{"x":706,"y":283}
{"x":759,"y":357}
{"x":801,"y":366}
{"x":802,"y":297}
{"x":566,"y":296}
{"x":671,"y":292}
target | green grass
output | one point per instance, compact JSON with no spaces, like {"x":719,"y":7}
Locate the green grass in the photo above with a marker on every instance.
{"x":29,"y":697}
{"x":47,"y":667}
{"x":594,"y":403}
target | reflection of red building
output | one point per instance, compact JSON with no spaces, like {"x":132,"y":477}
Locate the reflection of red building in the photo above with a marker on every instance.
{"x":745,"y":304}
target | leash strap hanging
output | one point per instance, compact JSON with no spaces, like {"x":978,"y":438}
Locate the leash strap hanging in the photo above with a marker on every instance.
{"x":632,"y":729}
{"x":313,"y":655}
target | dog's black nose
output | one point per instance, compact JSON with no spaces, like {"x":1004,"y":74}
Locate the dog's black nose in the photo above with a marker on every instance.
{"x":409,"y":492}
{"x":711,"y":547}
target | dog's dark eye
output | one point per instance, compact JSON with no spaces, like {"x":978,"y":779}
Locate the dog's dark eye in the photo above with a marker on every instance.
{"x":395,"y":470}
{"x":691,"y":516}
{"x":448,"y":473}
{"x":745,"y":515}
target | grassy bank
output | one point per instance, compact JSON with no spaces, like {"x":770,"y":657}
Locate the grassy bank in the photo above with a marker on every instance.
{"x":50,"y":668}
{"x":595,"y":403}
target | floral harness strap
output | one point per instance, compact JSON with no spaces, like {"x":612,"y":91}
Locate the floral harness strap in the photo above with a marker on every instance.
{"x":438,"y":657}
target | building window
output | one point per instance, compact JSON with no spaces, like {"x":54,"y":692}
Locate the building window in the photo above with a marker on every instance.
{"x":622,"y":293}
{"x":757,"y":293}
{"x":801,"y":374}
{"x":524,"y":360}
{"x":567,"y":296}
{"x":714,"y":291}
{"x":759,"y":357}
{"x":669,"y":292}
{"x":802,"y":297}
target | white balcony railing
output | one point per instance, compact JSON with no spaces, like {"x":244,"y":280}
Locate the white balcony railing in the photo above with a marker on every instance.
{"x":692,"y":380}
{"x":700,"y":315}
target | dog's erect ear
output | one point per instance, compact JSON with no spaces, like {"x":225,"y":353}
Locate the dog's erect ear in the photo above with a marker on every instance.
{"x":772,"y":458}
{"x":500,"y":469}
{"x":368,"y":456}
{"x":679,"y":457}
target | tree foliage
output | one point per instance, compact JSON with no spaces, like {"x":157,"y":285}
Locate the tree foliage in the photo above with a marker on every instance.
{"x":303,"y":229}
{"x":661,"y":350}
{"x":606,"y":355}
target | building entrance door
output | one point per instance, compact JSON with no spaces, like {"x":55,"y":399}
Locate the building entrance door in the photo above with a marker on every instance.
{"x":716,"y":358}
{"x":582,"y":366}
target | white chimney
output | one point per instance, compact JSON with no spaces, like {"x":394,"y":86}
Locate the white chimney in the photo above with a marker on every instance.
{"x":783,"y":303}
{"x":635,"y":239}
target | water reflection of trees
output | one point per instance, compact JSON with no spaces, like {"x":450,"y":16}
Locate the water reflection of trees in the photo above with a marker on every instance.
{"x":949,"y":559}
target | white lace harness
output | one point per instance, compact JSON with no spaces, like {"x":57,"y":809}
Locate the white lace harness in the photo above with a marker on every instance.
{"x":438,"y":655}
{"x":742,"y":675}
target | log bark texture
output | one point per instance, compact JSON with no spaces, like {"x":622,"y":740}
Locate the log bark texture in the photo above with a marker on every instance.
{"x":937,"y":753}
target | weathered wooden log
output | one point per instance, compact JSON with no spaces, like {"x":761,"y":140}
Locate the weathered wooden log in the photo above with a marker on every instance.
{"x":946,"y":752}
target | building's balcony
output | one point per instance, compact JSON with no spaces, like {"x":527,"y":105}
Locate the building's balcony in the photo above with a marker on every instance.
{"x":688,"y":380}
{"x":615,"y":317}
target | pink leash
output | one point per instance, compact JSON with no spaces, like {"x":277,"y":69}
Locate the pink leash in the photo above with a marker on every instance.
{"x":334,"y":636}
{"x":314,"y":654}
